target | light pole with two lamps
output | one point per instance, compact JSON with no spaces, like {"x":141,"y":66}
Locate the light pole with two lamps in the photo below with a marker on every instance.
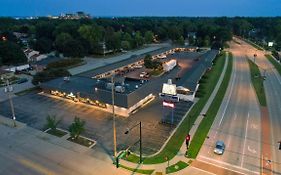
{"x":8,"y":89}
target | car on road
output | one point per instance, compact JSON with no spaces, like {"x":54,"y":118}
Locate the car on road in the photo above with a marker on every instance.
{"x":219,"y":147}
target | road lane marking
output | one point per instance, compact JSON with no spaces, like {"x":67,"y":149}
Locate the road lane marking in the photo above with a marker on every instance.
{"x":227,"y":164}
{"x":242,"y":161}
{"x":252,"y":150}
{"x":231,"y":90}
{"x":211,"y":142}
{"x":203,"y":170}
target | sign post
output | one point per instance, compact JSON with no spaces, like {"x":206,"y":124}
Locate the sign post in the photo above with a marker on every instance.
{"x":187,"y":139}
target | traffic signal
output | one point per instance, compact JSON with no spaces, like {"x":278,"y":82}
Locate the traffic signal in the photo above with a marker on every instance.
{"x":280,"y":145}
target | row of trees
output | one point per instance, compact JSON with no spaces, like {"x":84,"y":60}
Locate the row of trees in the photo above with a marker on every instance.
{"x":77,"y":38}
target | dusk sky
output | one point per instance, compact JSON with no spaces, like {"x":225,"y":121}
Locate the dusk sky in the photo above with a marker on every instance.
{"x":142,"y":7}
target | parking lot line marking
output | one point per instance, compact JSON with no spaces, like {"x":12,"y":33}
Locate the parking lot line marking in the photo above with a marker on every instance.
{"x":227,"y":164}
{"x":243,"y":154}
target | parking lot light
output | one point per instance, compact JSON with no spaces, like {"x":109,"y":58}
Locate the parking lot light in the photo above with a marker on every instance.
{"x":8,"y":89}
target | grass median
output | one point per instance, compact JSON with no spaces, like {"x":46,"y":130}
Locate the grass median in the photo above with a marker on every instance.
{"x":275,"y":63}
{"x":175,"y":142}
{"x":205,"y":125}
{"x":257,"y":81}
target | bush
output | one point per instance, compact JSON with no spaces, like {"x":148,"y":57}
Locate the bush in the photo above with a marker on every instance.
{"x":64,"y":63}
{"x":50,"y":74}
{"x":77,"y":127}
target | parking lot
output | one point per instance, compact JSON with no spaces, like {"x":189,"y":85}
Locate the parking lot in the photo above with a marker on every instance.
{"x":33,"y":108}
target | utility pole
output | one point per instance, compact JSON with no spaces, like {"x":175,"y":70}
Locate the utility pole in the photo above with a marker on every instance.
{"x":8,"y":90}
{"x":113,"y":113}
{"x":140,"y":144}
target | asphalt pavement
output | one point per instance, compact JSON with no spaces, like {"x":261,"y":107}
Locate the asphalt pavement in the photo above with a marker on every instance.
{"x":272,"y":86}
{"x":237,"y":122}
{"x":25,"y":150}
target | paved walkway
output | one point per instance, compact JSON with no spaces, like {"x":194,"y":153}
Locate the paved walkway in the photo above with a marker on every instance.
{"x":181,"y":154}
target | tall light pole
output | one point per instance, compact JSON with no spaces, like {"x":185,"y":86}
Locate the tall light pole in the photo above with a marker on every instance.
{"x":113,"y":113}
{"x":140,"y":138}
{"x":8,"y":90}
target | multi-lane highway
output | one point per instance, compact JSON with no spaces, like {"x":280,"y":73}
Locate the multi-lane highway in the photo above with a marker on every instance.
{"x":272,"y":85}
{"x":237,"y":123}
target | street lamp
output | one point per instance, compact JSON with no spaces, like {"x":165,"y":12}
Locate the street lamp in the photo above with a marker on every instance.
{"x":8,"y":89}
{"x":140,"y":139}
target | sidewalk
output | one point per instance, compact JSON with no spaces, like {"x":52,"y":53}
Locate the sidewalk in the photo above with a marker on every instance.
{"x":181,"y":154}
{"x":31,"y":151}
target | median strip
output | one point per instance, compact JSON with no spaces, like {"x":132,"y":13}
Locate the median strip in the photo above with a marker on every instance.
{"x":257,"y":81}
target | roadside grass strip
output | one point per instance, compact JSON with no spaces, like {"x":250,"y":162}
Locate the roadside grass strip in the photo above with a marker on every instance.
{"x":136,"y":170}
{"x":175,"y":142}
{"x":274,"y":62}
{"x":176,"y":167}
{"x":253,"y":44}
{"x":205,"y":125}
{"x":257,"y":81}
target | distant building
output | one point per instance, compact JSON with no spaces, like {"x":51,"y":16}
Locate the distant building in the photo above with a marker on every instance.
{"x":78,"y":15}
{"x":33,"y":55}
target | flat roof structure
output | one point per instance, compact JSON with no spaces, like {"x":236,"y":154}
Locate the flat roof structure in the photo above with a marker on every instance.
{"x":133,"y":92}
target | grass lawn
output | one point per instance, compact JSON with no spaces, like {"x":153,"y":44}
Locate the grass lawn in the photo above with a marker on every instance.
{"x":27,"y":90}
{"x":57,"y":132}
{"x":81,"y":141}
{"x":176,"y":141}
{"x":275,"y":63}
{"x":205,"y":125}
{"x":135,"y":170}
{"x":257,"y":81}
{"x":176,"y":167}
